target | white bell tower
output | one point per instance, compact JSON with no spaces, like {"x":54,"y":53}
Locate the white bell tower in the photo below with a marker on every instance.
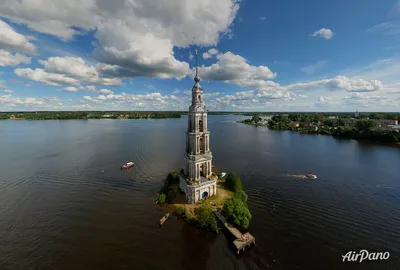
{"x":198,"y":157}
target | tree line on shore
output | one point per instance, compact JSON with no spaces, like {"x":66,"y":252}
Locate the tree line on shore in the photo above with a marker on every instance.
{"x":362,"y":128}
{"x":69,"y":115}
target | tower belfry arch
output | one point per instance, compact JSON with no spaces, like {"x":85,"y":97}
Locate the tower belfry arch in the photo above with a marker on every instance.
{"x":198,"y":177}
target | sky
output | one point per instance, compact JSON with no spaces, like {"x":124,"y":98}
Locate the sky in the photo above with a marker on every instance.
{"x":258,"y":55}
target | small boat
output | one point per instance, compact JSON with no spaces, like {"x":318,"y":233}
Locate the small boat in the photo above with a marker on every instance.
{"x":164,"y":218}
{"x":312,"y":176}
{"x":127,"y":165}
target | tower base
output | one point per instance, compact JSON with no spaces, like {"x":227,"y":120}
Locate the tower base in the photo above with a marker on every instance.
{"x":195,"y":192}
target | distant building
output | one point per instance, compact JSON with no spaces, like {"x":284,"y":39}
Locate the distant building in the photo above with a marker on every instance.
{"x":386,"y":122}
{"x":357,"y":114}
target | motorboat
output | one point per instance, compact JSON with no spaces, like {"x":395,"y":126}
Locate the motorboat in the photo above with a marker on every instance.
{"x":312,"y":176}
{"x":127,"y":165}
{"x":164,"y":218}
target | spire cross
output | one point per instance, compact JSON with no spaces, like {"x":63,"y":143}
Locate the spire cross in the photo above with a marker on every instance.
{"x":197,"y":78}
{"x":197,"y":68}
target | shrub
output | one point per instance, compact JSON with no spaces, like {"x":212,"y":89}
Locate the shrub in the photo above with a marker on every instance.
{"x":181,"y":211}
{"x":161,"y":198}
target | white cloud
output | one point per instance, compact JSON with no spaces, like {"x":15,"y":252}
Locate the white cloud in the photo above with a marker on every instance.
{"x":76,"y":67}
{"x":211,"y":94}
{"x":311,"y":69}
{"x":387,"y":28}
{"x":8,"y":91}
{"x":262,"y":18}
{"x":71,"y":89}
{"x":12,"y":41}
{"x":191,"y":56}
{"x":66,"y":70}
{"x":210,"y":53}
{"x":324,"y":100}
{"x":19,"y":101}
{"x":176,"y":91}
{"x":90,"y":88}
{"x":134,"y":37}
{"x":106,"y":91}
{"x":234,"y":69}
{"x":325,"y":33}
{"x":8,"y":59}
{"x":42,"y":76}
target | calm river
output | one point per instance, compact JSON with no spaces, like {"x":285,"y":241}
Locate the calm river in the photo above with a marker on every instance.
{"x":65,"y":204}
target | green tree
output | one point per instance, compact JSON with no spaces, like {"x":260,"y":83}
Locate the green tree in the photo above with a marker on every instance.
{"x":233,"y":182}
{"x":206,"y":218}
{"x":365,"y":125}
{"x":256,"y":119}
{"x":237,"y":212}
{"x":241,"y":195}
{"x":161,"y":198}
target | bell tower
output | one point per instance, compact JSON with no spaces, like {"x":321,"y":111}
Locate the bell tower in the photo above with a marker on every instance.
{"x":198,"y":157}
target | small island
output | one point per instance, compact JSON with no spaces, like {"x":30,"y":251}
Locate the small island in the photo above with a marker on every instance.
{"x":230,"y":199}
{"x":374,"y":127}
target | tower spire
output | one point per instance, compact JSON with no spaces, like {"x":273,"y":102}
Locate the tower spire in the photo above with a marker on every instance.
{"x":197,"y":78}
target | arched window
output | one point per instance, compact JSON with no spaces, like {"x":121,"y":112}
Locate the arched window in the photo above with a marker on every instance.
{"x":200,"y":125}
{"x":201,"y":146}
{"x":199,"y":97}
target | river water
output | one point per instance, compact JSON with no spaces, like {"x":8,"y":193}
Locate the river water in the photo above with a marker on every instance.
{"x":65,"y":204}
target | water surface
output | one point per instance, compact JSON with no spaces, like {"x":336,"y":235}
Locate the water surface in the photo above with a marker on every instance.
{"x":65,"y":204}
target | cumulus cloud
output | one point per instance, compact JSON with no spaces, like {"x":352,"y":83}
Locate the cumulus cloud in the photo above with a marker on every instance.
{"x":152,"y":100}
{"x":210,"y":53}
{"x":234,"y":69}
{"x":66,"y":70}
{"x":12,"y":41}
{"x":106,"y":91}
{"x":324,"y":100}
{"x":42,"y":76}
{"x":282,"y":94}
{"x":262,"y":18}
{"x":325,"y":33}
{"x":18,"y":101}
{"x":9,"y":91}
{"x":133,"y":37}
{"x":211,"y":94}
{"x":71,"y":89}
{"x":8,"y":59}
{"x":337,"y":83}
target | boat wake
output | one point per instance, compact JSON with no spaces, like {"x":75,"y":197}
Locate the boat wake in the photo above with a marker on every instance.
{"x":303,"y":176}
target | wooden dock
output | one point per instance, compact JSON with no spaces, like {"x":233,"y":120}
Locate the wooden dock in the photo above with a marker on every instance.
{"x":239,"y":243}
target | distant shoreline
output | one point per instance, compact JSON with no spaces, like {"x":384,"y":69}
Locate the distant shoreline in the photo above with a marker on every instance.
{"x":307,"y":132}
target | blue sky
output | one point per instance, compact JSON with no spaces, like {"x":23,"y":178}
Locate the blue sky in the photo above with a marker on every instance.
{"x":254,"y":55}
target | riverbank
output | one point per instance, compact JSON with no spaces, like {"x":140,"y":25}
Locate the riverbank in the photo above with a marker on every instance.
{"x":230,"y":199}
{"x":357,"y":129}
{"x":76,"y":115}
